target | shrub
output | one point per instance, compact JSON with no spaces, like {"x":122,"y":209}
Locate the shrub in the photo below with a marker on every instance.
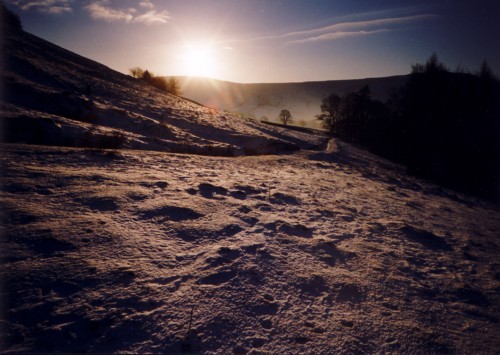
{"x":171,"y":85}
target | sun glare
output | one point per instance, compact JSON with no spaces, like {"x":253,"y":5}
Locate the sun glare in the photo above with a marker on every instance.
{"x":199,"y":60}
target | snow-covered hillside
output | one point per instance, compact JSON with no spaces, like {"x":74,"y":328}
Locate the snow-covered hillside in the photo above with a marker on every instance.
{"x":56,"y":97}
{"x":325,"y":250}
{"x":302,"y":253}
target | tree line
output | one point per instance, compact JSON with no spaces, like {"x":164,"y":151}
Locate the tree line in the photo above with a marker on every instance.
{"x":442,"y":125}
{"x":170,"y":85}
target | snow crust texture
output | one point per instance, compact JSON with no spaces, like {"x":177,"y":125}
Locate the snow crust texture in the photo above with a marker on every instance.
{"x":312,"y":252}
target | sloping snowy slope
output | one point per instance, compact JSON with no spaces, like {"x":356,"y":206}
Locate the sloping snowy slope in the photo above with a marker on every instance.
{"x":321,"y":253}
{"x":56,"y":97}
{"x":130,"y":251}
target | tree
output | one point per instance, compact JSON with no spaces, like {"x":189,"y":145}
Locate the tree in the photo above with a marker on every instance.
{"x":285,"y":117}
{"x":331,"y":107}
{"x":147,"y":76}
{"x":137,"y":72}
{"x":159,"y":82}
{"x":433,"y":65}
{"x":173,"y":86}
{"x":446,"y":127}
{"x":485,"y":72}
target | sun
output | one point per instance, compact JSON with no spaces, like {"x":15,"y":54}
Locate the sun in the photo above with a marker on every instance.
{"x":199,"y":60}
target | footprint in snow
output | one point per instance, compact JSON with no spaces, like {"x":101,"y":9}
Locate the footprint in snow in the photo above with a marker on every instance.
{"x":159,"y":184}
{"x":100,"y":203}
{"x":238,"y":194}
{"x":173,"y":213}
{"x":314,"y":285}
{"x":298,"y":230}
{"x":248,"y":190}
{"x":426,"y":239}
{"x":264,"y":207}
{"x":211,"y":191}
{"x":45,"y":243}
{"x":347,"y":218}
{"x":283,"y":199}
{"x":328,"y":252}
{"x":16,"y":188}
{"x":349,"y":293}
{"x":224,"y":256}
{"x":137,"y":196}
{"x":198,"y":234}
{"x":264,"y":307}
{"x":472,"y":296}
{"x":218,"y":278}
{"x":17,"y":217}
{"x":266,"y":323}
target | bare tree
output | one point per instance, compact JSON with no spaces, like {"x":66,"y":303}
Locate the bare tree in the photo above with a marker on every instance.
{"x":285,"y":117}
{"x":137,"y":72}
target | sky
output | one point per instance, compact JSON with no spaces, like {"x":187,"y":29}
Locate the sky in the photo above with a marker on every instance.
{"x":264,"y":41}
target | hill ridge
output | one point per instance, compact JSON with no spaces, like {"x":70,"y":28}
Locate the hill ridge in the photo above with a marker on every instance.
{"x":57,"y":97}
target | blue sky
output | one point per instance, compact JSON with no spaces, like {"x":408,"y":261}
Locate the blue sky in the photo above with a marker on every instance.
{"x":270,"y":40}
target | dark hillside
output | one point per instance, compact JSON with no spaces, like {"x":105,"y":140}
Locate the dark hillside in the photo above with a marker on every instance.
{"x":56,"y":97}
{"x":442,"y":125}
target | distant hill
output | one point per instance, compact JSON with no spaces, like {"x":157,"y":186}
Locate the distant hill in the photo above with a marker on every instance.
{"x":265,"y":101}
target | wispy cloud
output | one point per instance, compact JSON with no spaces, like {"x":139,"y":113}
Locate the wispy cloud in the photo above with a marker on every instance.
{"x":152,"y":18}
{"x":147,"y":4}
{"x":102,"y":10}
{"x":351,"y":29}
{"x":345,"y":29}
{"x":336,"y":35}
{"x":48,"y":6}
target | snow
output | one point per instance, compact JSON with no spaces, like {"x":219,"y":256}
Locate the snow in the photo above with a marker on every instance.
{"x":319,"y":252}
{"x":239,"y":248}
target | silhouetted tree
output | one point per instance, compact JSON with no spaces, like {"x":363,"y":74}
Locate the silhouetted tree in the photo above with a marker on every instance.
{"x":330,"y":111}
{"x":485,"y":72}
{"x":137,"y":72}
{"x":171,"y":85}
{"x":432,"y":65}
{"x":285,"y":117}
{"x":446,"y":127}
{"x":147,"y":76}
{"x":355,"y":116}
{"x":443,"y":126}
{"x":159,"y":83}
